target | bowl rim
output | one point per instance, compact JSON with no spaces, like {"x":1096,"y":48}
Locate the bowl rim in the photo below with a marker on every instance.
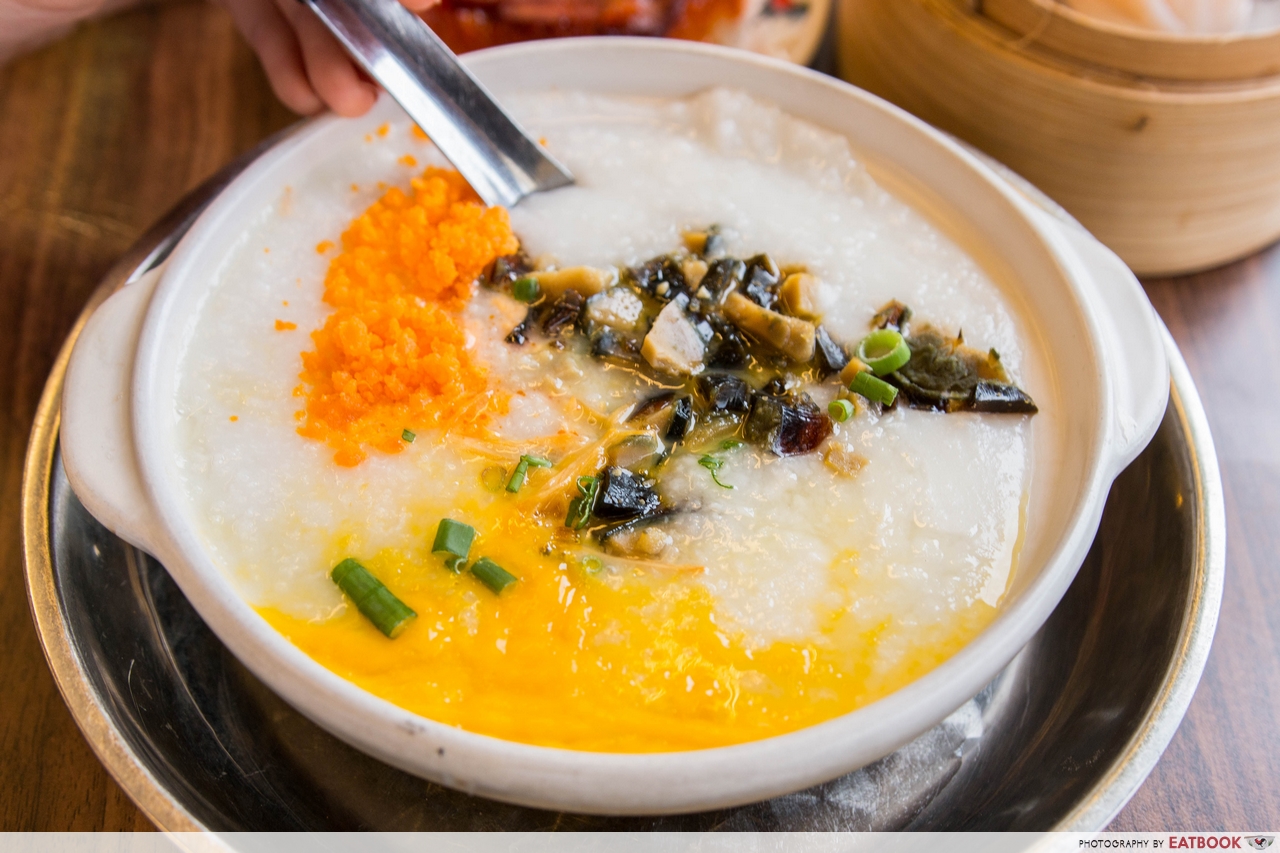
{"x":388,"y":731}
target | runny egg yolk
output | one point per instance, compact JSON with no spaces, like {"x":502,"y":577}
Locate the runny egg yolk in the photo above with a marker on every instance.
{"x":632,"y":661}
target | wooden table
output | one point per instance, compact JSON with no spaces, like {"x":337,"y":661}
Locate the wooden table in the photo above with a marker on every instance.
{"x":103,"y":131}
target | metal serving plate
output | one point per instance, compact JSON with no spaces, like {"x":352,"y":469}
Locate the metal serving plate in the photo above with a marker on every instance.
{"x":1061,"y":739}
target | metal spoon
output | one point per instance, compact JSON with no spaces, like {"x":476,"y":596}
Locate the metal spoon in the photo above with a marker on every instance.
{"x":416,"y":68}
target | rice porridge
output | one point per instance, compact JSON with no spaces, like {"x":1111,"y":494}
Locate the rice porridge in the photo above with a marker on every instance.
{"x":723,"y":441}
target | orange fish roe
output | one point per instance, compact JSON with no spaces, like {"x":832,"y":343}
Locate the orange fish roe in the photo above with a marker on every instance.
{"x":285,"y":326}
{"x":325,"y":245}
{"x":408,"y":160}
{"x":393,"y":353}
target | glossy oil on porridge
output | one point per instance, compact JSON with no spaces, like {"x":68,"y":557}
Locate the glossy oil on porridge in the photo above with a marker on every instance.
{"x":747,"y":584}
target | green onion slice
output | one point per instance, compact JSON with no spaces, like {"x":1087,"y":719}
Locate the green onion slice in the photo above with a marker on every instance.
{"x":517,"y":476}
{"x":453,"y":539}
{"x":493,"y":478}
{"x":730,"y":444}
{"x":580,"y":508}
{"x":840,"y":410}
{"x":873,"y":389}
{"x":714,"y":464}
{"x":409,"y":435}
{"x":525,"y":289}
{"x":379,"y":605}
{"x":522,"y":470}
{"x":884,"y":351}
{"x":492,"y":575}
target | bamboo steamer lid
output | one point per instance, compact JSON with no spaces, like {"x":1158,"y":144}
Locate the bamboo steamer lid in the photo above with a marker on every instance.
{"x":1172,"y":56}
{"x":1174,"y":174}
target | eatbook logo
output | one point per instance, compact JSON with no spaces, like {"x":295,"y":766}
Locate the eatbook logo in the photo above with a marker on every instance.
{"x":1261,"y":842}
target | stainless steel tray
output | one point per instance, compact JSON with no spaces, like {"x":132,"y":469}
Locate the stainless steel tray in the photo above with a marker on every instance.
{"x":1060,"y":740}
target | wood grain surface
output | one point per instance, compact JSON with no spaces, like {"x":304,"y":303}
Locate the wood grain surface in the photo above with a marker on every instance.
{"x":1099,"y":141}
{"x":103,"y":131}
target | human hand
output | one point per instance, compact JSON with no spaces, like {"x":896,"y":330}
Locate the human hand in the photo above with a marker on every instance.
{"x":306,"y":65}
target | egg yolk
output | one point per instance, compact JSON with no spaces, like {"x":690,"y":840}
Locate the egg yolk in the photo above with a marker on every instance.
{"x":579,"y":656}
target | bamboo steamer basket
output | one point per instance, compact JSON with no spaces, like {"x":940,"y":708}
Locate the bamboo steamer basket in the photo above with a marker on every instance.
{"x":1167,"y":147}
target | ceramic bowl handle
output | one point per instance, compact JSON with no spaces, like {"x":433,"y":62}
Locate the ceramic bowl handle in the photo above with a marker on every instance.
{"x":97,"y":429}
{"x":1132,"y":343}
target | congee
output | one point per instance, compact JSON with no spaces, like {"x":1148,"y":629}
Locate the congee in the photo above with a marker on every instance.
{"x":721,"y":442}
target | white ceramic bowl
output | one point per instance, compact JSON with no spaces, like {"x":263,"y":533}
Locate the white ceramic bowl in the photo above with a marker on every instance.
{"x":1103,"y":362}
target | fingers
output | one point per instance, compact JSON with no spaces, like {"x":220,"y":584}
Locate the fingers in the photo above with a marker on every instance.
{"x":419,"y":5}
{"x":272,"y":37}
{"x":331,"y":73}
{"x":306,"y":65}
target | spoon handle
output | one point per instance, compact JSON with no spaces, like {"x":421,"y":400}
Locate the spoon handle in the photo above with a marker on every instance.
{"x":416,"y":68}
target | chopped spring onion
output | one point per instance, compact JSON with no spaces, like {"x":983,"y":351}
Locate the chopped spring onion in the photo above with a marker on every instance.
{"x":493,"y":478}
{"x":492,"y":575}
{"x":522,"y":470}
{"x":713,"y":464}
{"x":518,"y":475}
{"x":884,"y":351}
{"x":526,"y":289}
{"x":409,"y":435}
{"x":580,"y":508}
{"x":840,"y":410}
{"x":379,"y":605}
{"x":453,"y":539}
{"x":730,"y":444}
{"x":592,"y":565}
{"x":873,"y":389}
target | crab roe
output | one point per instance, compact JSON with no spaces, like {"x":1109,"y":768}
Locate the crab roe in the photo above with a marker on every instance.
{"x":393,"y":353}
